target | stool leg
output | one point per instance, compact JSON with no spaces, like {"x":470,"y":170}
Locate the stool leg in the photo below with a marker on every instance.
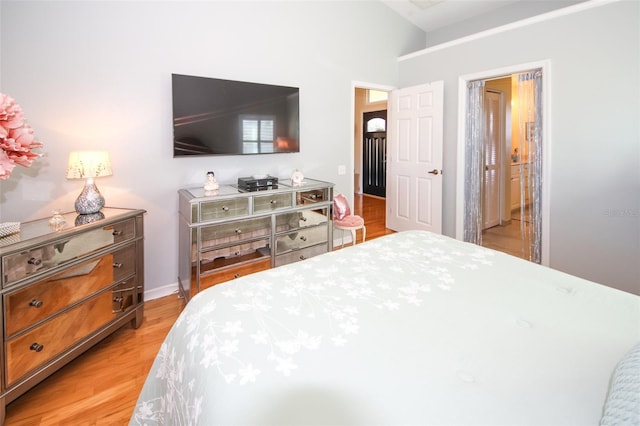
{"x":364,"y":233}
{"x":353,"y":236}
{"x":342,"y":230}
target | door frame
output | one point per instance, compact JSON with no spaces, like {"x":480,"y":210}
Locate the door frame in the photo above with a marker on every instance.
{"x":545,"y":65}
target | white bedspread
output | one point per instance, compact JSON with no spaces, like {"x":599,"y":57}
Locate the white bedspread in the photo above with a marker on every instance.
{"x":412,"y":328}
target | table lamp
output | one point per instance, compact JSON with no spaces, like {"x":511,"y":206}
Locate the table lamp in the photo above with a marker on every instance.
{"x":89,"y":165}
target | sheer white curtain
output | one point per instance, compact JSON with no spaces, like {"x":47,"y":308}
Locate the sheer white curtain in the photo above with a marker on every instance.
{"x":474,"y":145}
{"x":527,"y":112}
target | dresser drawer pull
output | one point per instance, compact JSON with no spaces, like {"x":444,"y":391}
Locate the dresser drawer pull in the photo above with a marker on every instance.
{"x":273,"y":202}
{"x":35,"y":303}
{"x":117,"y":265}
{"x":304,"y":219}
{"x":303,"y":238}
{"x":34,"y":261}
{"x":302,"y":257}
{"x":236,"y":275}
{"x":225,"y":208}
{"x":36,"y":347}
{"x":238,"y":231}
{"x":117,"y":233}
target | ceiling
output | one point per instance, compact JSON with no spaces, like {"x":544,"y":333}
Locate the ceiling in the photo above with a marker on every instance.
{"x":430,"y":15}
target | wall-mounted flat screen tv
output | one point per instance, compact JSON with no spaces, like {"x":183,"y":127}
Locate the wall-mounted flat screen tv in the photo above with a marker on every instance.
{"x":213,"y":116}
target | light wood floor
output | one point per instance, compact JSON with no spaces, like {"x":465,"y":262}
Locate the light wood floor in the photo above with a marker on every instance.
{"x":101,"y":386}
{"x":509,"y":238}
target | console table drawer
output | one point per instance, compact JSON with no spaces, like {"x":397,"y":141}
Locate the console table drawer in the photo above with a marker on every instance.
{"x":34,"y":303}
{"x":221,"y":209}
{"x":232,"y":232}
{"x":235,"y":272}
{"x":301,"y":239}
{"x":298,"y":255}
{"x":232,"y":255}
{"x":267,"y":203}
{"x":301,"y":219}
{"x":45,"y":342}
{"x":312,"y":196}
{"x":40,"y":259}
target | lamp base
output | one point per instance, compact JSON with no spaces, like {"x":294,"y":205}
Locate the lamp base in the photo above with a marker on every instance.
{"x":90,"y":200}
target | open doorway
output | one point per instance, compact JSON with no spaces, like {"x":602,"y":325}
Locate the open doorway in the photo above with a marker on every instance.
{"x":369,"y":140}
{"x":506,"y":180}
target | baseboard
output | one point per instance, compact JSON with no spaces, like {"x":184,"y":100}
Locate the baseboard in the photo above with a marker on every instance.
{"x":163,"y":291}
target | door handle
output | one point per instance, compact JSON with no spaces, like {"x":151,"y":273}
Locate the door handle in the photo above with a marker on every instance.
{"x":434,"y":172}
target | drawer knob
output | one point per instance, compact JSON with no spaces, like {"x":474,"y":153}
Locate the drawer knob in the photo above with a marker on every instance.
{"x":34,"y":261}
{"x":35,"y":303}
{"x":117,"y":265}
{"x":303,"y":238}
{"x":116,"y":233}
{"x":238,"y":231}
{"x":303,"y":218}
{"x":236,"y":275}
{"x":225,"y":208}
{"x":302,"y":257}
{"x":273,"y":202}
{"x":36,"y":347}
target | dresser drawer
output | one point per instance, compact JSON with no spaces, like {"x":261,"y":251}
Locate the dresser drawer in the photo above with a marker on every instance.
{"x":40,"y":259}
{"x":271,"y":202}
{"x":36,"y":302}
{"x":45,"y":342}
{"x":301,"y":219}
{"x":231,"y":255}
{"x":221,"y":209}
{"x":229,"y":233}
{"x":301,"y":238}
{"x":298,"y":255}
{"x":312,"y":196}
{"x":233,"y":273}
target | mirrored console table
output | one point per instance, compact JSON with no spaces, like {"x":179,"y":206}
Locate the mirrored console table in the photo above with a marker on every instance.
{"x":66,"y":286}
{"x":229,"y":233}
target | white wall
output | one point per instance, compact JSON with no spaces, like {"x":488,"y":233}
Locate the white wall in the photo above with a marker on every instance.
{"x":501,"y":15}
{"x":97,"y":75}
{"x":595,"y":133}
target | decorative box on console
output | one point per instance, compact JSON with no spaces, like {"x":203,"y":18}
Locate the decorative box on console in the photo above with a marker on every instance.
{"x":257,"y":183}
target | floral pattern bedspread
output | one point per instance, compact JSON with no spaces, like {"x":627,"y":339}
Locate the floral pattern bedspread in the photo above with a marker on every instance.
{"x":411,"y":328}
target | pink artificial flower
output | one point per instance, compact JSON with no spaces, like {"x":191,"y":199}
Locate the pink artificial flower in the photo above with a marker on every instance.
{"x":16,"y":138}
{"x":11,"y":115}
{"x":6,"y":165}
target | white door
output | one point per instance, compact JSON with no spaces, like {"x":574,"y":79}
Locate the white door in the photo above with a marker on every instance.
{"x":492,"y":159}
{"x":414,"y":158}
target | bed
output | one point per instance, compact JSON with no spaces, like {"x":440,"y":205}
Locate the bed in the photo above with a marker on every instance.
{"x":410,"y":328}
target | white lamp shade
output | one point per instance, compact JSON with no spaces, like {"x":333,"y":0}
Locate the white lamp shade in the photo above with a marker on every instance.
{"x":88,"y":164}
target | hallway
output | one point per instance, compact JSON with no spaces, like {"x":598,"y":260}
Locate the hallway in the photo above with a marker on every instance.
{"x":504,"y":238}
{"x":373,"y":211}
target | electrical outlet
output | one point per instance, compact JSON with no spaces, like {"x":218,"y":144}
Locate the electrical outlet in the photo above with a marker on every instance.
{"x":342,"y":170}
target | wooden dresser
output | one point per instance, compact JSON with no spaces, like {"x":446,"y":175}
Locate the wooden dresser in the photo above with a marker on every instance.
{"x":230,"y":233}
{"x":65,"y":290}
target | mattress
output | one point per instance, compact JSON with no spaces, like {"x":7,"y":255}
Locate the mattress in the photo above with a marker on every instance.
{"x":410,"y":328}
